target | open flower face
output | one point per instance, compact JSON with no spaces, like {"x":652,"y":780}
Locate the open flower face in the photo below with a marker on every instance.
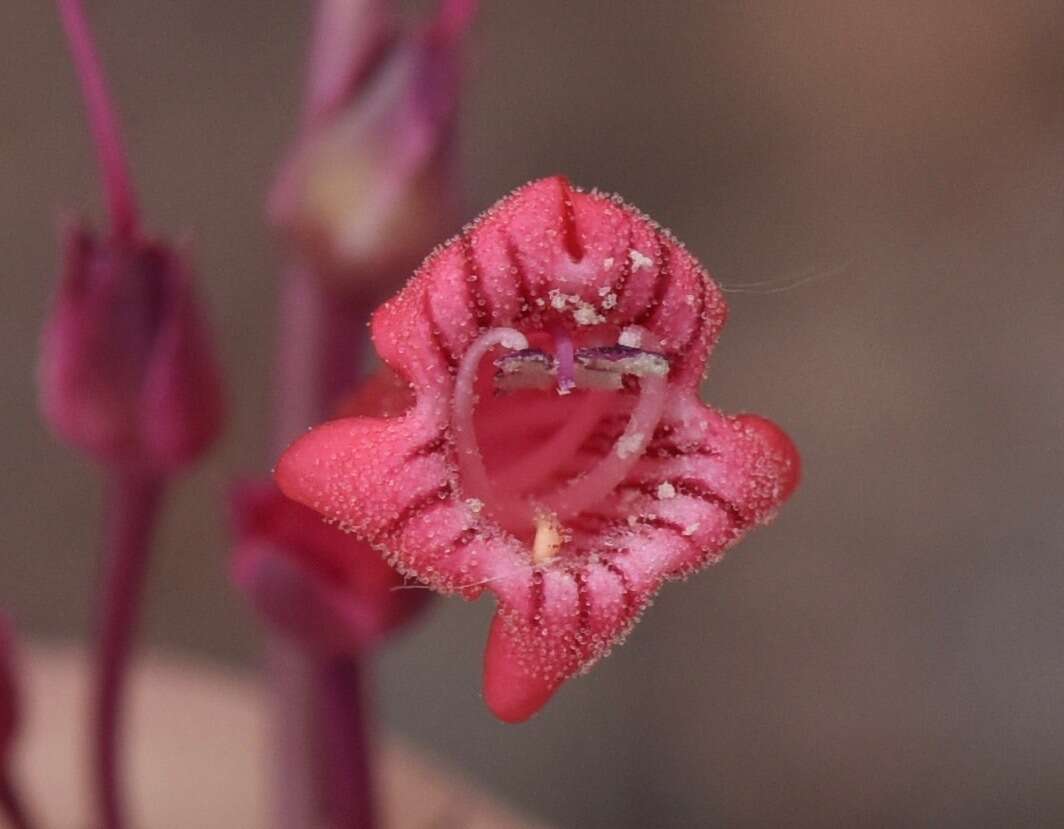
{"x":555,"y":450}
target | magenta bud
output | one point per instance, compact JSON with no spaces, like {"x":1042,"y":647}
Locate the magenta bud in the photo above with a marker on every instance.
{"x":299,"y":604}
{"x":368,"y":189}
{"x":127,"y":373}
{"x":312,"y":582}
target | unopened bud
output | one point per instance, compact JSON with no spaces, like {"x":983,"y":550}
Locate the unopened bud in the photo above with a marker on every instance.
{"x":368,"y":189}
{"x":127,"y":373}
{"x":312,"y":582}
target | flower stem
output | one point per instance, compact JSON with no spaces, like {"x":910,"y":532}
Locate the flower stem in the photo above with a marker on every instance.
{"x":345,"y":342}
{"x":321,"y":343}
{"x":291,"y":683}
{"x":344,"y":744}
{"x":344,"y":750}
{"x":103,"y":120}
{"x":290,"y":667}
{"x":11,"y":805}
{"x":133,"y":507}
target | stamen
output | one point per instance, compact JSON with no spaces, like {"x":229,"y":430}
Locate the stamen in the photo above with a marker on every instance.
{"x":594,"y":485}
{"x":475,"y":480}
{"x":623,"y":359}
{"x":511,"y":495}
{"x":602,"y":367}
{"x":549,"y":538}
{"x":529,"y":368}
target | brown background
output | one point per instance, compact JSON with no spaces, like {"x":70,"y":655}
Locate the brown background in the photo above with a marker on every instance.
{"x":889,"y":652}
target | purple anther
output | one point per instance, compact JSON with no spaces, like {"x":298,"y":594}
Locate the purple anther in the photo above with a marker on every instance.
{"x":623,"y":359}
{"x":529,"y":368}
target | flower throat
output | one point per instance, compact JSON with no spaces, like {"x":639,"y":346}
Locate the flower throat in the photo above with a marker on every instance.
{"x":521,"y":494}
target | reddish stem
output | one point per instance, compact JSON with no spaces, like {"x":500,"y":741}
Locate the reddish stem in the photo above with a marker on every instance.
{"x":133,"y":507}
{"x":11,"y":805}
{"x":342,"y":709}
{"x":321,"y":345}
{"x":344,"y":343}
{"x":292,"y":682}
{"x":344,"y":743}
{"x":299,"y":325}
{"x":103,"y":120}
{"x":322,"y":340}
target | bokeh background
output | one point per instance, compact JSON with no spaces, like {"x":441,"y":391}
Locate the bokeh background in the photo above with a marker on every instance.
{"x":890,"y":651}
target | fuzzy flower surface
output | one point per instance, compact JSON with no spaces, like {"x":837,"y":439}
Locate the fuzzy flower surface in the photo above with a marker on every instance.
{"x":555,"y":451}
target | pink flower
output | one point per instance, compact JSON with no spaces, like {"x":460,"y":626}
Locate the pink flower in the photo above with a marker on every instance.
{"x":127,"y":373}
{"x":556,"y":451}
{"x":368,"y":185}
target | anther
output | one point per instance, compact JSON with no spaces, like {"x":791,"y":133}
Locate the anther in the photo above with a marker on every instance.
{"x":470,"y":461}
{"x":528,"y":368}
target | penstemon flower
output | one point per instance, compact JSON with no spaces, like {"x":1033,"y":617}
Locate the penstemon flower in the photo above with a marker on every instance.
{"x":555,"y":451}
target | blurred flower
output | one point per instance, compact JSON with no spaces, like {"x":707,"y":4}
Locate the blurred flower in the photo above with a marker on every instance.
{"x":554,"y":450}
{"x":330,"y":591}
{"x":311,"y":580}
{"x":127,"y":373}
{"x":368,"y":188}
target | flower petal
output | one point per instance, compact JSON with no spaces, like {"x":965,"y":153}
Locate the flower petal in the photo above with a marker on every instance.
{"x":554,"y":625}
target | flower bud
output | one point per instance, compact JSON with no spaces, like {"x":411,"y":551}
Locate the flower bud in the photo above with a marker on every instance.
{"x":127,"y":373}
{"x":368,"y":189}
{"x":312,"y":581}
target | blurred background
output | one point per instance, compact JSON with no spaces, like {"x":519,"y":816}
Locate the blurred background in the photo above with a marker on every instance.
{"x":889,"y":651}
